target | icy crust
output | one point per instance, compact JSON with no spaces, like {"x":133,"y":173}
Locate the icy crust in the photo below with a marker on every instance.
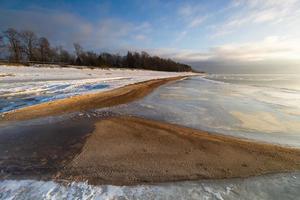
{"x":25,"y":86}
{"x":279,"y":186}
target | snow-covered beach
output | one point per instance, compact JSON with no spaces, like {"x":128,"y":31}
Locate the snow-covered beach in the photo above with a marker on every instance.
{"x":24,"y":86}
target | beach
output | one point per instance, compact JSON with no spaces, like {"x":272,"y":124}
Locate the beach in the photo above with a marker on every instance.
{"x":123,"y":150}
{"x":130,"y":150}
{"x":139,"y":134}
{"x":127,"y":150}
{"x":117,"y":96}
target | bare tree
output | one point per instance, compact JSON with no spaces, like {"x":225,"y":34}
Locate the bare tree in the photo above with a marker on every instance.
{"x":15,"y":48}
{"x":63,"y":55}
{"x":2,"y":45}
{"x":80,"y":54}
{"x":44,"y":49}
{"x":78,"y":49}
{"x":29,"y":42}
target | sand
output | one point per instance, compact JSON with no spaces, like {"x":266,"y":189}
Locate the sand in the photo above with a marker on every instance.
{"x":124,"y":150}
{"x":88,"y":101}
{"x":130,"y":150}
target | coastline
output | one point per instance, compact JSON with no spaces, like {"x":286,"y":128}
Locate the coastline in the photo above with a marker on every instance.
{"x":125,"y":150}
{"x":129,"y":150}
{"x":109,"y":98}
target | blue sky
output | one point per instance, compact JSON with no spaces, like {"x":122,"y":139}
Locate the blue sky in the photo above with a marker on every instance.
{"x":255,"y":32}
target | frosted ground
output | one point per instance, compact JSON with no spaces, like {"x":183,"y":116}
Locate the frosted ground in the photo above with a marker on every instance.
{"x":280,"y":186}
{"x":24,"y":86}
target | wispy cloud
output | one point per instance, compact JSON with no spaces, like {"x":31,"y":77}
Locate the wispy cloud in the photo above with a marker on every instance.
{"x":251,"y":12}
{"x":196,"y":21}
{"x":270,"y":48}
{"x":192,"y":16}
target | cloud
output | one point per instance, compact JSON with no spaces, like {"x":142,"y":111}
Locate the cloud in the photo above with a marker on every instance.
{"x":253,"y":12}
{"x":191,"y":18}
{"x":190,"y":14}
{"x":180,"y":36}
{"x":270,"y":48}
{"x":63,"y":28}
{"x":186,"y":10}
{"x":141,"y":37}
{"x":196,"y":21}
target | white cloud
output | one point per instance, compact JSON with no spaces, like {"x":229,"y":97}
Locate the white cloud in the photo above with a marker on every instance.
{"x":180,"y":36}
{"x":187,"y":10}
{"x":196,"y":21}
{"x":140,"y":37}
{"x":251,"y":12}
{"x":190,"y":15}
{"x":270,"y":48}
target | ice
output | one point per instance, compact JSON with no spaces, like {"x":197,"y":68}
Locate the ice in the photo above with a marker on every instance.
{"x":254,"y":112}
{"x":277,"y":186}
{"x":32,"y":85}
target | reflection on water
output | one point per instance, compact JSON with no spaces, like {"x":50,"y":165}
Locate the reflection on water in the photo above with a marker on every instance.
{"x":260,"y":113}
{"x":280,"y":186}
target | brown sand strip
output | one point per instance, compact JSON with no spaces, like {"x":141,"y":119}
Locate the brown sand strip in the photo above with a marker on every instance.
{"x":88,"y":101}
{"x":130,"y":150}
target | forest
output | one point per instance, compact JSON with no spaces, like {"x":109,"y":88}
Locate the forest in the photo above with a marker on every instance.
{"x":27,"y":47}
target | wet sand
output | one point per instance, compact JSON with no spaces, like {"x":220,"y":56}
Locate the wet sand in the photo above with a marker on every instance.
{"x":128,"y":150}
{"x":39,"y":151}
{"x":114,"y":97}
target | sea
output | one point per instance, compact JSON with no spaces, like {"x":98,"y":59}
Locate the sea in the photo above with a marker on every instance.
{"x":259,"y":107}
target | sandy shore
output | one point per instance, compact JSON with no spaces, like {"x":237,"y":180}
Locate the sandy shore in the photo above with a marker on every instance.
{"x":129,"y":150}
{"x":88,"y":101}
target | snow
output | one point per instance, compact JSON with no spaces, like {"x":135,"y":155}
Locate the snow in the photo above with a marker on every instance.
{"x":275,"y":186}
{"x":25,"y":86}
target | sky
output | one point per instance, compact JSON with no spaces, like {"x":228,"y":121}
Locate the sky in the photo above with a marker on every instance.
{"x":222,"y":35}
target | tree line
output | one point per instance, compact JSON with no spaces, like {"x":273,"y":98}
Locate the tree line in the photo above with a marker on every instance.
{"x":26,"y":46}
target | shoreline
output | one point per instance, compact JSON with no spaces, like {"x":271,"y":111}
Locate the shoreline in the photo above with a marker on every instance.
{"x":129,"y":150}
{"x":125,"y":150}
{"x":83,"y":102}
